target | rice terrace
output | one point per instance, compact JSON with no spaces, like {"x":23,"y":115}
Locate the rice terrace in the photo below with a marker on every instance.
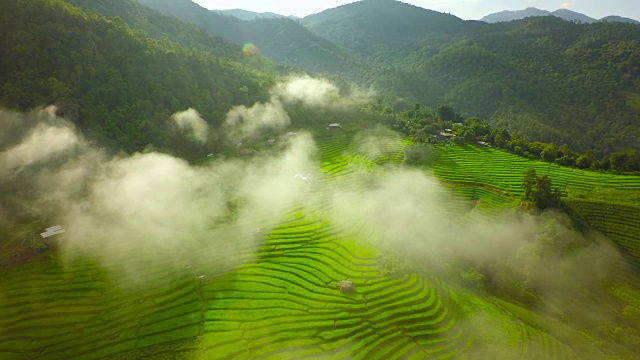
{"x":371,"y":181}
{"x":283,"y":302}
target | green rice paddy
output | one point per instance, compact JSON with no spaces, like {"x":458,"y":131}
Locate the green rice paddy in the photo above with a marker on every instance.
{"x":497,"y":169}
{"x":610,"y":203}
{"x":282,"y":302}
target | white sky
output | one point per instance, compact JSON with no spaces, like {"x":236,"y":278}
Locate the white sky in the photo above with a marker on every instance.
{"x":466,"y":9}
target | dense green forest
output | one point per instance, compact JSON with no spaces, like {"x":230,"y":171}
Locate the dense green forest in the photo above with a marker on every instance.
{"x":548,"y":79}
{"x":118,"y":83}
{"x":283,"y":40}
{"x":544,"y":78}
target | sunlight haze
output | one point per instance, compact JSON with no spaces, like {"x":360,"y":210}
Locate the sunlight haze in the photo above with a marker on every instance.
{"x":465,"y":9}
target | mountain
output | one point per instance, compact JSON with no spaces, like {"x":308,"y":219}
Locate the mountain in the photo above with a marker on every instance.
{"x":117,"y":83}
{"x":375,"y":29}
{"x":565,"y":14}
{"x":161,"y":26}
{"x":508,"y":15}
{"x":569,"y":15}
{"x":619,"y":19}
{"x":280,"y":39}
{"x":546,"y":79}
{"x":535,"y":76}
{"x":250,"y":15}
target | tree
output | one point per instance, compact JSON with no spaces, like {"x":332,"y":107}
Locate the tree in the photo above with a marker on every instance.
{"x":545,"y":196}
{"x":550,"y":153}
{"x":446,"y":113}
{"x":529,"y":184}
{"x":502,"y":138}
{"x":538,"y":190}
{"x":583,"y":162}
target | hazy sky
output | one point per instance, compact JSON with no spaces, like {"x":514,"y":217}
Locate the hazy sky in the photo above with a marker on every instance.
{"x":466,"y":9}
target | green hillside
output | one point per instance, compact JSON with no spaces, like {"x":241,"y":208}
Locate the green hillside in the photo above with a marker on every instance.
{"x":280,"y":39}
{"x":385,"y":31}
{"x":119,"y":84}
{"x":288,"y":220}
{"x":606,"y":202}
{"x":547,"y":79}
{"x":499,"y":169}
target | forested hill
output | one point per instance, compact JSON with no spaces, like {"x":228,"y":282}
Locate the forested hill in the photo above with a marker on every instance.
{"x":160,"y":26}
{"x":251,"y":15}
{"x":548,"y":79}
{"x":278,"y":38}
{"x":119,"y":84}
{"x":561,"y":13}
{"x":564,"y":14}
{"x":386,"y":31}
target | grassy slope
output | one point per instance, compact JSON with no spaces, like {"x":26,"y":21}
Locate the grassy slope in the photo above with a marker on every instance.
{"x":283,"y":303}
{"x":610,"y":203}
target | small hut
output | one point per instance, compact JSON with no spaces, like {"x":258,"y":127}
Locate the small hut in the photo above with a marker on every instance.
{"x":52,"y":231}
{"x":345,"y":286}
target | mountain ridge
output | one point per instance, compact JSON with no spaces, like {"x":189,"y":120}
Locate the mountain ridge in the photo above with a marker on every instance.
{"x":565,"y":14}
{"x":532,"y":76}
{"x":279,"y":39}
{"x":252,"y":15}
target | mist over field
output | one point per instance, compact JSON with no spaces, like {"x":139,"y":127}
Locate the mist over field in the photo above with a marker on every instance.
{"x":113,"y":205}
{"x":377,"y":180}
{"x":152,"y":203}
{"x":243,"y":122}
{"x":189,"y":218}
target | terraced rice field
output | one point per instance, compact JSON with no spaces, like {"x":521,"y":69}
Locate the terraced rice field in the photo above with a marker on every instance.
{"x":281,"y":302}
{"x":499,"y":169}
{"x":478,"y":167}
{"x":619,"y":222}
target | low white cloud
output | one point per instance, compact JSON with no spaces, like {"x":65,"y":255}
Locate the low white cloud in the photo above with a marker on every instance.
{"x":191,"y":121}
{"x":246,"y":122}
{"x":41,"y":144}
{"x":243,"y":122}
{"x":136,"y":212}
{"x":307,"y":90}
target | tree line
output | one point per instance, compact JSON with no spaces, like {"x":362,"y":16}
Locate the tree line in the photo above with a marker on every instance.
{"x":428,"y":126}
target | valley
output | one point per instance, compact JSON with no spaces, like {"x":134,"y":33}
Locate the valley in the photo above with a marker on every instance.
{"x":374,"y":181}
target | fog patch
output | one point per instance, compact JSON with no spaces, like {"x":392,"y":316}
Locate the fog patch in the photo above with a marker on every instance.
{"x":145,"y":214}
{"x":247,"y":122}
{"x":541,"y":261}
{"x":376,"y":142}
{"x":244,"y":122}
{"x":307,"y":90}
{"x":191,"y":121}
{"x":141,"y":215}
